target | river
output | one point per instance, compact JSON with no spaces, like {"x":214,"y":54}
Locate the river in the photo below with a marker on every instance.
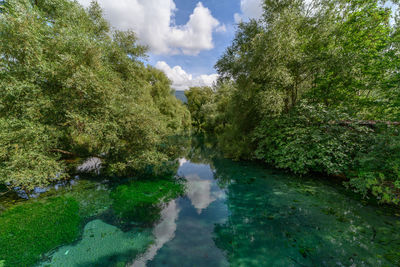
{"x":238,"y":214}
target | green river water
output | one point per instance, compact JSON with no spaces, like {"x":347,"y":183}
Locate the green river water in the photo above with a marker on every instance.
{"x":231,"y":214}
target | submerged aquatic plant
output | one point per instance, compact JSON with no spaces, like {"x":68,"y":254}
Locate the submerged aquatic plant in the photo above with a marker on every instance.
{"x":142,"y":201}
{"x":31,"y":229}
{"x":93,"y":198}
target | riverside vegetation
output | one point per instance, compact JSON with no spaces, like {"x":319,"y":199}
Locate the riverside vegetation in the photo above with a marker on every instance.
{"x":308,"y":88}
{"x":312,"y":87}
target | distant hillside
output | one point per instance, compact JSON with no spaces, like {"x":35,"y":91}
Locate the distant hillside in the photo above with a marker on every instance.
{"x":181,"y":96}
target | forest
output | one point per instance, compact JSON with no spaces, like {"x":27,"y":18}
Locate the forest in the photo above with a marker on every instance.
{"x":312,"y":87}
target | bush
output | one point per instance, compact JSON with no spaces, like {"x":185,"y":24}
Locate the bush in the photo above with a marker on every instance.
{"x":313,"y":138}
{"x":310,"y":138}
{"x":377,"y":170}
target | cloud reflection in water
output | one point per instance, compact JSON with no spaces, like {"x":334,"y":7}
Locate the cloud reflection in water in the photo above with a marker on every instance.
{"x":163,"y":233}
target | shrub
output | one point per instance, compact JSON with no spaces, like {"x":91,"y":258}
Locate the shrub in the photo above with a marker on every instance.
{"x":377,"y":170}
{"x":310,"y":138}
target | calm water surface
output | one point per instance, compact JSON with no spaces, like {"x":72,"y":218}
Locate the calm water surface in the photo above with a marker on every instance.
{"x":241,"y":214}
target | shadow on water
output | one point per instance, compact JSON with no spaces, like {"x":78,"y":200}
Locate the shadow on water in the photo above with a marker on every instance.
{"x":115,"y":260}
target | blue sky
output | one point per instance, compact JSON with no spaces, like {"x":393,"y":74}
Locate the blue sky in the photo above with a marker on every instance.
{"x":185,"y":37}
{"x":203,"y":63}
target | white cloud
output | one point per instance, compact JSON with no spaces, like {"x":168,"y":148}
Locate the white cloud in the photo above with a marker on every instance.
{"x":251,"y":9}
{"x":221,"y":28}
{"x":153,"y":21}
{"x":237,"y":17}
{"x":181,"y":80}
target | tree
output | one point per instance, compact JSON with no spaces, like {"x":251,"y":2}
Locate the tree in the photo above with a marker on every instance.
{"x":303,"y":77}
{"x":198,"y":100}
{"x":69,"y":87}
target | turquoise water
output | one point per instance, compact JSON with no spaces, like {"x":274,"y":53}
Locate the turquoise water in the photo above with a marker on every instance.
{"x":235,"y":214}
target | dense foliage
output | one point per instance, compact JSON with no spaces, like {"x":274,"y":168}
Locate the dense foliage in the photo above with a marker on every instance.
{"x":307,"y":140}
{"x":71,"y":87}
{"x":313,"y":86}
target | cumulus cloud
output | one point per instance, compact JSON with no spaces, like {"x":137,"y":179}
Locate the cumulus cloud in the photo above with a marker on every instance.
{"x":181,"y":80}
{"x":251,"y":9}
{"x":153,"y":22}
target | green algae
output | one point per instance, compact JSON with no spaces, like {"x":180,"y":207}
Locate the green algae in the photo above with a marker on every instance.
{"x":93,"y":198}
{"x":142,"y":201}
{"x":102,"y":245}
{"x":33,"y":228}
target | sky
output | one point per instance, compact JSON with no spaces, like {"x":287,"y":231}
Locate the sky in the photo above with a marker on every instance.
{"x":185,"y":37}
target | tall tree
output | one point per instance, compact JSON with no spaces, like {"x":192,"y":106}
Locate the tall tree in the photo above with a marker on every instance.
{"x":69,"y":86}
